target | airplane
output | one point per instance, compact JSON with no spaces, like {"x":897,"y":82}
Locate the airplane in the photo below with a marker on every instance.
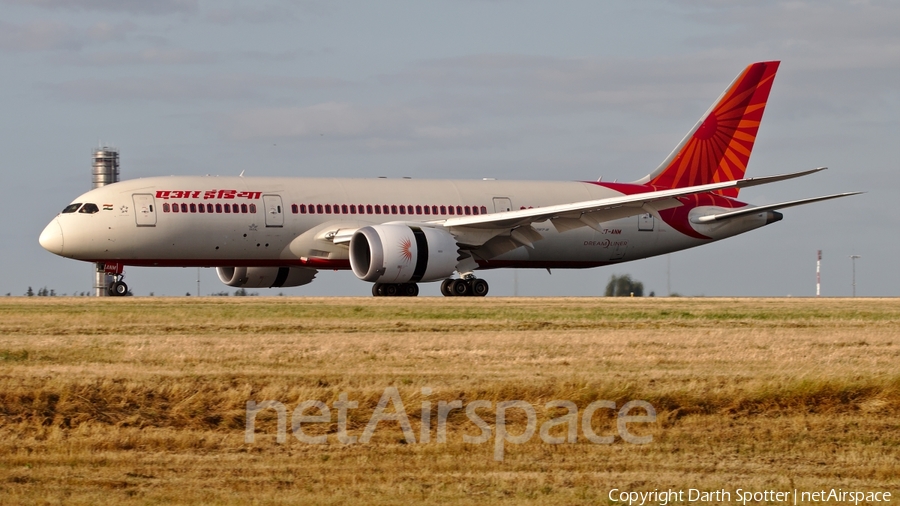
{"x":263,"y":232}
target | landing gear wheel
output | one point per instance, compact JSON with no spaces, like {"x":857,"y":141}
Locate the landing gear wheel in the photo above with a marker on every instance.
{"x":390,"y":289}
{"x":460,"y":287}
{"x":377,"y":290}
{"x":411,"y":290}
{"x":118,"y":289}
{"x":446,"y":290}
{"x":479,"y":288}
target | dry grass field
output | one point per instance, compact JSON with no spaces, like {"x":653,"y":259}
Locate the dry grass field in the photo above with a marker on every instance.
{"x":143,"y":400}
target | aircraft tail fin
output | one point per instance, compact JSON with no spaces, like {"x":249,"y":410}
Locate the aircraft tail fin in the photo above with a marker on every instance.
{"x":718,"y":148}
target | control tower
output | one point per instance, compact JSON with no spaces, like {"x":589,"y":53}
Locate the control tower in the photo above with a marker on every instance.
{"x":105,"y":171}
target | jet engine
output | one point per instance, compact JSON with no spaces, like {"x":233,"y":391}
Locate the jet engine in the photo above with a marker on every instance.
{"x":265,"y":277}
{"x":402,"y":254}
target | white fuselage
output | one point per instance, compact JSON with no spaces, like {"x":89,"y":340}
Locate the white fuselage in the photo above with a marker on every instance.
{"x":291,"y":221}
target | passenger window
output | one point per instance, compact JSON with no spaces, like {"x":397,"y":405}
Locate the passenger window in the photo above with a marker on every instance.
{"x":243,"y":208}
{"x":193,"y":208}
{"x":71,"y":208}
{"x":218,"y":208}
{"x":166,"y":207}
{"x":89,"y":209}
{"x":253,"y":209}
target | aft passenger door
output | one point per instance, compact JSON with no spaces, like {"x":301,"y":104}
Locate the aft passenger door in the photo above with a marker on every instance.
{"x":645,"y":222}
{"x":144,"y":209}
{"x":274,"y":211}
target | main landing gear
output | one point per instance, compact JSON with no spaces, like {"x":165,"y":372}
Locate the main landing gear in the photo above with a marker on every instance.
{"x":395,"y":289}
{"x":465,"y":287}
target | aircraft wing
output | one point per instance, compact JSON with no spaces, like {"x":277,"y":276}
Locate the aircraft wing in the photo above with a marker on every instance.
{"x":476,"y":230}
{"x":593,"y":212}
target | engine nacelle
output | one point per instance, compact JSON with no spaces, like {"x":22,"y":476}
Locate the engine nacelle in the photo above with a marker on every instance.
{"x":265,"y":277}
{"x":402,"y":254}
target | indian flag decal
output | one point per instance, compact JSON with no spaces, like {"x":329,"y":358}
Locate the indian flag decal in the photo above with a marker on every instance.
{"x":107,"y":207}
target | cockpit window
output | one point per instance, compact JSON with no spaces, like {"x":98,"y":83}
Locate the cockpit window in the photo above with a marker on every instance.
{"x":89,"y":209}
{"x":71,"y":208}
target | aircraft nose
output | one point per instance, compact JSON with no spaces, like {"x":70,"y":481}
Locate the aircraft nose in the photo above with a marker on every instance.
{"x":52,"y":237}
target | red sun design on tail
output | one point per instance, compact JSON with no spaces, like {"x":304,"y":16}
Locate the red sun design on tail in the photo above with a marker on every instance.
{"x":719,"y":149}
{"x":406,"y":250}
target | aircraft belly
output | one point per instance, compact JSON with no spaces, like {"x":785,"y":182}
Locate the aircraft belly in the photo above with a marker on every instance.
{"x":615,"y":241}
{"x":194,"y":240}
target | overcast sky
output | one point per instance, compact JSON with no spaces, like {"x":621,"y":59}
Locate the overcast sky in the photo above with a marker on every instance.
{"x":569,"y":90}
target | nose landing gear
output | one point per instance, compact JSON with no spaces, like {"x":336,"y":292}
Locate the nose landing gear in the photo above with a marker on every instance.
{"x":117,"y":288}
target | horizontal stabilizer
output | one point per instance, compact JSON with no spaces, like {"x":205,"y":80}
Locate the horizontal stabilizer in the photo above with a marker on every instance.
{"x":761,"y":209}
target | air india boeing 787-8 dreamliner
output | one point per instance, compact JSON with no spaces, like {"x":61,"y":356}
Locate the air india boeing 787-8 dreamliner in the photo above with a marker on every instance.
{"x":277,"y":232}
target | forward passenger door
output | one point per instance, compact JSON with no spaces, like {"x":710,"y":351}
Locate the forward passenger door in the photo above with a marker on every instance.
{"x":144,"y":209}
{"x":274,"y":210}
